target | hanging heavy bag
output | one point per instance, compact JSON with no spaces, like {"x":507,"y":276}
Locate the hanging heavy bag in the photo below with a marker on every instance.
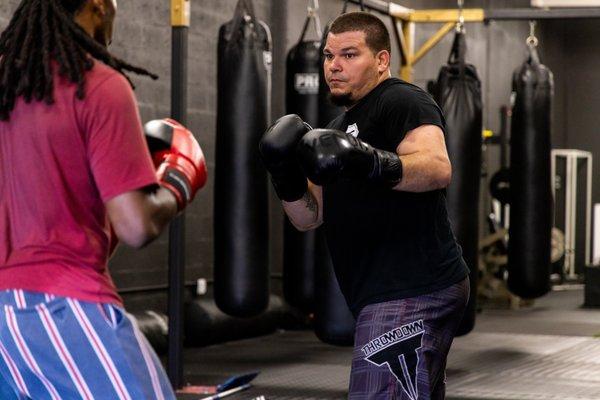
{"x":302,"y":75}
{"x":458,"y":93}
{"x":302,"y":98}
{"x":530,"y":226}
{"x":334,"y":323}
{"x":241,"y":271}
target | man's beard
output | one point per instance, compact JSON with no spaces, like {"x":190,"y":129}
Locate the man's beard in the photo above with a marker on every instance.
{"x":341,"y":100}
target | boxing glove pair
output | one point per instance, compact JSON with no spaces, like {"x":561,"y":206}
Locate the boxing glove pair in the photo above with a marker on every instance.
{"x":178,"y":158}
{"x":292,"y":151}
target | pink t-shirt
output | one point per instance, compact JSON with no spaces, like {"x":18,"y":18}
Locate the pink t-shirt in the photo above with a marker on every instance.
{"x":59,"y":165}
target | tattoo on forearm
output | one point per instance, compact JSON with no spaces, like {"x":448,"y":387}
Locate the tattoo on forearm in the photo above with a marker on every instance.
{"x":310,"y":202}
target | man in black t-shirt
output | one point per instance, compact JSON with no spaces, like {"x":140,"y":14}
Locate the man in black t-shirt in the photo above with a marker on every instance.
{"x":376,"y":179}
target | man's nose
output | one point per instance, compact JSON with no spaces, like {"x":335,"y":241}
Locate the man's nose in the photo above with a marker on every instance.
{"x":334,"y":64}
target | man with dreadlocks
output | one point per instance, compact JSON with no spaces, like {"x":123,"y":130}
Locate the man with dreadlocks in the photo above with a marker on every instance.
{"x":75,"y":174}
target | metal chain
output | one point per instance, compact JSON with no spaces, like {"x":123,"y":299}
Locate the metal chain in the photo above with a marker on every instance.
{"x":460,"y":26}
{"x":313,"y":9}
{"x":532,"y":40}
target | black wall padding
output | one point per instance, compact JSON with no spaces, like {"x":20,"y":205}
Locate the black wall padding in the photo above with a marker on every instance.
{"x":334,"y":323}
{"x":530,"y":225}
{"x":205,"y":324}
{"x":302,"y":98}
{"x":241,"y":269}
{"x":458,"y":93}
{"x":327,"y":111}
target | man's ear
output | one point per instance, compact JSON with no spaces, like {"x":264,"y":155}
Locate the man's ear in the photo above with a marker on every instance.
{"x":383,"y":60}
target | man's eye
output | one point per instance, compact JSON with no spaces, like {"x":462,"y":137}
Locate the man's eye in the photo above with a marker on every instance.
{"x":350,"y":55}
{"x":329,"y":56}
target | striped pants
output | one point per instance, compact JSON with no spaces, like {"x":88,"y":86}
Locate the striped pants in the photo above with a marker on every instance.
{"x":400,"y":347}
{"x":62,"y":348}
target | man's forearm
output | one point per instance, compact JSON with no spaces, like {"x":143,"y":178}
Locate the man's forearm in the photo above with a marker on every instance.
{"x":304,"y":214}
{"x":139,"y":216}
{"x":163,"y":207}
{"x":423,"y":173}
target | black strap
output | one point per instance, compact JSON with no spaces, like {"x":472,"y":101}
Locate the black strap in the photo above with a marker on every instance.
{"x":248,"y":7}
{"x":458,"y":52}
{"x":304,"y":28}
{"x":310,"y":17}
{"x":534,"y":56}
{"x":243,"y":10}
{"x":459,"y":49}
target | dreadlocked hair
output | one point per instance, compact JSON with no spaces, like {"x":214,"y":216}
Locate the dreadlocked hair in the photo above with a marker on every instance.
{"x":39,"y":33}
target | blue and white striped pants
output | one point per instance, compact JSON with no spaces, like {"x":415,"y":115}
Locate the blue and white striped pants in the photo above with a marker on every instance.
{"x":62,"y":348}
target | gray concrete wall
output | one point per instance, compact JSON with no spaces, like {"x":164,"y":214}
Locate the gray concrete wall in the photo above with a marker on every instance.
{"x":582,"y":91}
{"x":575,"y":61}
{"x":553,"y":54}
{"x":144,"y":38}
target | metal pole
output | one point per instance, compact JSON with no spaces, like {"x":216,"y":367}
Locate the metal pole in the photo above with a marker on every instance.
{"x":180,"y":21}
{"x":588,"y":211}
{"x":513,"y":14}
{"x":504,"y":141}
{"x":408,"y":32}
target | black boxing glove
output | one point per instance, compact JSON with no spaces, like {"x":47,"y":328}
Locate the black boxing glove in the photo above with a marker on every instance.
{"x":327,"y":155}
{"x":277,"y":149}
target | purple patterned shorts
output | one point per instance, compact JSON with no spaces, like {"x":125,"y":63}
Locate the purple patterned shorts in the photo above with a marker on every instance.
{"x":401,"y":346}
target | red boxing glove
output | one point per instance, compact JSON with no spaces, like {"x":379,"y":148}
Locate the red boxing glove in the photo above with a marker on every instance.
{"x":179,"y":160}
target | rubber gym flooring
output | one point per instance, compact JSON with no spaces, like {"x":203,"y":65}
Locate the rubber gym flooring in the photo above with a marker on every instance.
{"x":549,"y":351}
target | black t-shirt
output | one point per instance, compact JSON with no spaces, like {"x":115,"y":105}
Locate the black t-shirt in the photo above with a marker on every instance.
{"x":387,"y":245}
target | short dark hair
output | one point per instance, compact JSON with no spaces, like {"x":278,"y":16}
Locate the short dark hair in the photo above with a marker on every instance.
{"x":377,"y":36}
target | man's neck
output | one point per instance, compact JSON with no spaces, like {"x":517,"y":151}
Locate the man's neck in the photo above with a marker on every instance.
{"x":384,"y":76}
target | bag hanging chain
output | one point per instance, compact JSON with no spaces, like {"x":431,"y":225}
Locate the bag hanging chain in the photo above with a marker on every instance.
{"x":532,"y":40}
{"x":460,"y":25}
{"x":313,"y":9}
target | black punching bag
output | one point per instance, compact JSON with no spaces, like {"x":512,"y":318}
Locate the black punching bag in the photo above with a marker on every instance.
{"x":299,"y":256}
{"x":327,"y":110}
{"x":241,"y":270}
{"x":302,"y":98}
{"x":458,"y":93}
{"x":302,"y":77}
{"x":334,"y":323}
{"x":530,"y":227}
